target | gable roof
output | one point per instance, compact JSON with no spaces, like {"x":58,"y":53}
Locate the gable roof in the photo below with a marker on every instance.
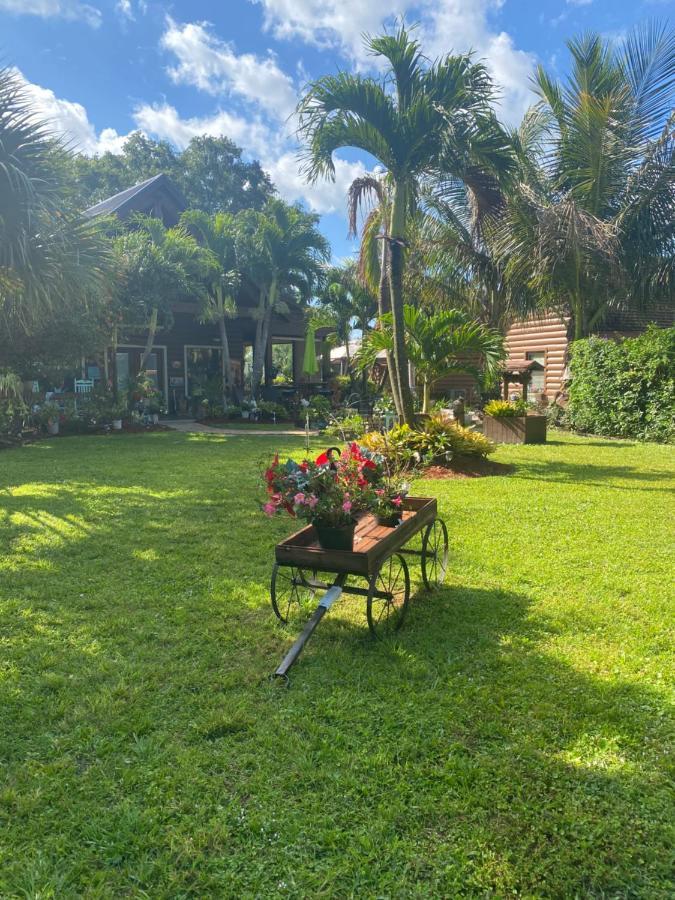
{"x":157,"y":196}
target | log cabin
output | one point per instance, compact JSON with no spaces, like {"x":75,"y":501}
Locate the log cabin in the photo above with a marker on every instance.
{"x":187,"y":354}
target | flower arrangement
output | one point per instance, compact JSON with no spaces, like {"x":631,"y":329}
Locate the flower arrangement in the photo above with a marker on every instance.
{"x":332,"y":489}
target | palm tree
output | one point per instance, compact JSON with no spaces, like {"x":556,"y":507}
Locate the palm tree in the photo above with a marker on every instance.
{"x":591,"y":224}
{"x":51,"y":259}
{"x":218,"y":234}
{"x":160,"y":266}
{"x":436,"y":119}
{"x":439,"y":344}
{"x":282,"y":253}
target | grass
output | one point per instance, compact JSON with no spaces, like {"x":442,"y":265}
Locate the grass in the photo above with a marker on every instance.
{"x":513,"y":741}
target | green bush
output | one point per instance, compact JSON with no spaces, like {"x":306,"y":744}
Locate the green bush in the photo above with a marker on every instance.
{"x":270,"y":410}
{"x":347,"y":427}
{"x":625,"y":388}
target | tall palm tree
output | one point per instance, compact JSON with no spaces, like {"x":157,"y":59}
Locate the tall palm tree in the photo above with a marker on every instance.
{"x":282,"y":253}
{"x":218,"y":234}
{"x":419,"y":120}
{"x":591,"y":224}
{"x":439,"y":344}
{"x":51,"y":259}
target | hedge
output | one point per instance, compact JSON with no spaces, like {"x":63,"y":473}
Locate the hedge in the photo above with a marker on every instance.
{"x":624,"y":388}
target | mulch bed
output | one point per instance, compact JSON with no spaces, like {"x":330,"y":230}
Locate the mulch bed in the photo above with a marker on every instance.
{"x":469,"y":467}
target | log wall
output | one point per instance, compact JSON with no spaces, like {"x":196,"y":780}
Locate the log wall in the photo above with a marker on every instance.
{"x":547,"y":334}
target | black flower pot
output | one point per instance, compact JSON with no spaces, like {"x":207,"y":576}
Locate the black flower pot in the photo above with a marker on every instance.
{"x":389,"y":521}
{"x":335,"y":537}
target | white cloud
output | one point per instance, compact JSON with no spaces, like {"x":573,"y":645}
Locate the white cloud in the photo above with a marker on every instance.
{"x":62,"y":9}
{"x":445,"y":25}
{"x":337,"y":23}
{"x":213,"y":66}
{"x":322,"y":197}
{"x":70,"y":120}
{"x":162,"y":121}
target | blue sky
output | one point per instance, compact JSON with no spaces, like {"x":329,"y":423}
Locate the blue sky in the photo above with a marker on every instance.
{"x":100,"y":70}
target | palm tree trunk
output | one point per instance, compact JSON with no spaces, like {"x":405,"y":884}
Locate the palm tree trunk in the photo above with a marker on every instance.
{"x":426,"y":395}
{"x":261,"y":337}
{"x":397,"y":262}
{"x":152,"y":331}
{"x":383,"y":304}
{"x":225,"y":352}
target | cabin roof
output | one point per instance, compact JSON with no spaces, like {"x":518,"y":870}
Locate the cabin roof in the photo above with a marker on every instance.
{"x":154,"y":194}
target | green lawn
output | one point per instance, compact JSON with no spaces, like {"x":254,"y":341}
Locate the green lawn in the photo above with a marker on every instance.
{"x":513,"y":741}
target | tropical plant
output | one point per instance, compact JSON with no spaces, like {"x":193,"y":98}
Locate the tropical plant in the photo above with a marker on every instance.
{"x":281,"y":251}
{"x":160,"y":267}
{"x":53,"y":263}
{"x":505,"y":409}
{"x":439,"y":344}
{"x":218,"y":234}
{"x":436,"y":119}
{"x":591,"y":224}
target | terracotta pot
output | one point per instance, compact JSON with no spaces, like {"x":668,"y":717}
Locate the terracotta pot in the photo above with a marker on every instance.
{"x":335,"y":537}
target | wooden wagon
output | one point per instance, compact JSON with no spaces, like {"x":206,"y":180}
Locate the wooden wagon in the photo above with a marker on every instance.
{"x":379,"y":557}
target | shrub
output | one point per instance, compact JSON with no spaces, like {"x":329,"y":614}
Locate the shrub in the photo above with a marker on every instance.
{"x":437,"y":440}
{"x":625,"y":388}
{"x":270,"y":410}
{"x":319,"y":407}
{"x":505,"y":409}
{"x":348,"y":426}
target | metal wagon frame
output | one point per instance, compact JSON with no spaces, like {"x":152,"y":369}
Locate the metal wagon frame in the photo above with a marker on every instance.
{"x":379,"y":557}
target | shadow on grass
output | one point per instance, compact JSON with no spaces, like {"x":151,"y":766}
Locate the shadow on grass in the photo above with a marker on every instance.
{"x":538,"y":775}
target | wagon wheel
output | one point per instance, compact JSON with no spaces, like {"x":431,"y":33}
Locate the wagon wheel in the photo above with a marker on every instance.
{"x":435,"y":554}
{"x":289,"y":587}
{"x":388,"y":595}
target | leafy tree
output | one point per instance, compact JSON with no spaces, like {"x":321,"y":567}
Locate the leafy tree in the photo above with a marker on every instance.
{"x":436,"y":119}
{"x":591,"y":226}
{"x":210,"y":172}
{"x":281,"y":252}
{"x":218,"y":234}
{"x":439,"y":344}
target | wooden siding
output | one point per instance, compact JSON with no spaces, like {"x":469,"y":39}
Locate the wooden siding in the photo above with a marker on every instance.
{"x":547,"y":334}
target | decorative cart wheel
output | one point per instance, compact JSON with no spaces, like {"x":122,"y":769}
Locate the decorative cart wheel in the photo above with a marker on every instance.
{"x":435,"y":554}
{"x":388,"y":595}
{"x":290,"y":588}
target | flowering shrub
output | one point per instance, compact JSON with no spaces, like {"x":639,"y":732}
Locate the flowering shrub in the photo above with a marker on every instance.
{"x":331,"y":491}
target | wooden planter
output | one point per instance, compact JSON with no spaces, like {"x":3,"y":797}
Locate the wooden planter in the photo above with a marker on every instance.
{"x":515,"y":430}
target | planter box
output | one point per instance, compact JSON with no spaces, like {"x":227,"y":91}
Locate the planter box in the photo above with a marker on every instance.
{"x":516,"y":429}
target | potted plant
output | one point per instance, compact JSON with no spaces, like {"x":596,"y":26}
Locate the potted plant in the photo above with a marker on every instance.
{"x":49,"y":417}
{"x":331,"y":492}
{"x":511,"y":422}
{"x":117,"y":413}
{"x":388,"y":506}
{"x":245,"y":410}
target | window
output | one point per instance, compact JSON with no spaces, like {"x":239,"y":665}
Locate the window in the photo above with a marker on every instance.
{"x":538,"y":380}
{"x":122,"y":365}
{"x":282,"y":362}
{"x":204,"y":373}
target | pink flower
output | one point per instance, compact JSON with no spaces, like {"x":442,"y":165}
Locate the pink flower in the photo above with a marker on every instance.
{"x":347,"y":505}
{"x":312,"y":502}
{"x":380,"y":492}
{"x":299,"y":498}
{"x":269,"y":509}
{"x":396,"y":501}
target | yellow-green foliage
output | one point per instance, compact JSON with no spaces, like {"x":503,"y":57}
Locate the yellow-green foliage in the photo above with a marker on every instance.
{"x":505,"y":409}
{"x":435,"y":439}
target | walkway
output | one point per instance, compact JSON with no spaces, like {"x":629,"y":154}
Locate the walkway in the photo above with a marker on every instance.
{"x":191,"y":426}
